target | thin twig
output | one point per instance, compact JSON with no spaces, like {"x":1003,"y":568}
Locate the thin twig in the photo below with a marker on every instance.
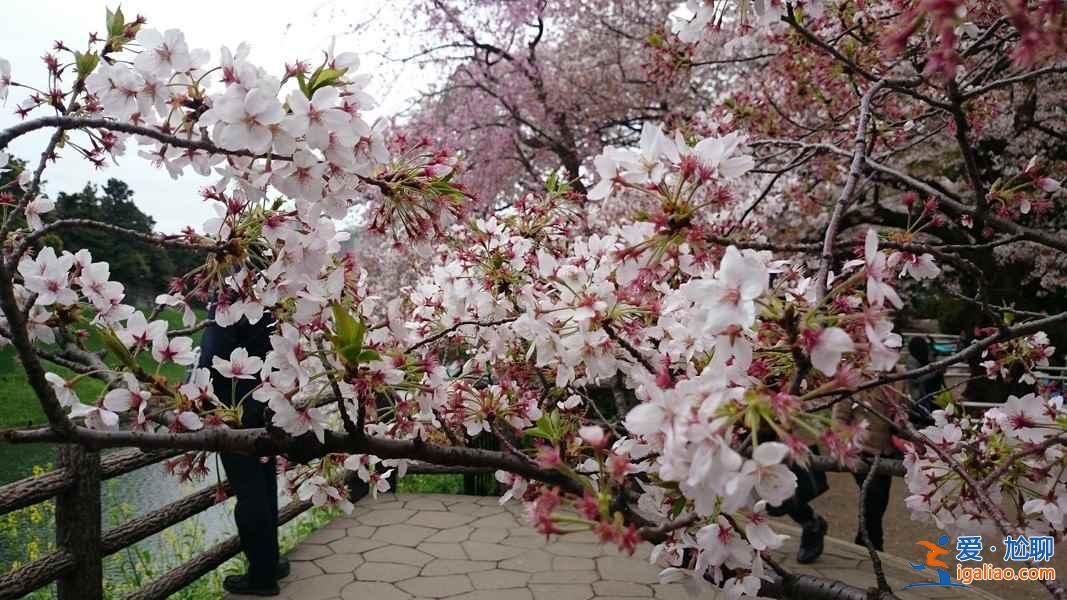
{"x":865,"y":535}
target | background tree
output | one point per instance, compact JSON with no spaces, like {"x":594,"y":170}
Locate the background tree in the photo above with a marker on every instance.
{"x":143,"y":265}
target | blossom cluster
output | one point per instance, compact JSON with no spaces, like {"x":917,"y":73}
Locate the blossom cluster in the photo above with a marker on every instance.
{"x":1023,"y":472}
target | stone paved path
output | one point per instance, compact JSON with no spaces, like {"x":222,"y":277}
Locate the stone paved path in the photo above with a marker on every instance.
{"x":467,"y":548}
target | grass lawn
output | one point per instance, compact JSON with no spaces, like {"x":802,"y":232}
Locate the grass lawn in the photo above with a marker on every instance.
{"x":19,"y":406}
{"x":431,"y":484}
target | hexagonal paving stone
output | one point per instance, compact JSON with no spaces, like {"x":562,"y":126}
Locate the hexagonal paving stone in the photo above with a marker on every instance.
{"x":389,"y":516}
{"x":388,"y":500}
{"x":403,"y":534}
{"x":564,"y":577}
{"x":436,"y":587}
{"x":353,"y":545}
{"x":302,"y":569}
{"x":373,"y":590}
{"x":340,"y":563}
{"x":398,"y":554}
{"x":561,"y":592}
{"x":578,"y":550}
{"x":324,"y":536}
{"x":570,"y":563}
{"x":477,"y":510}
{"x":440,"y":520}
{"x":617,"y":568}
{"x":443,"y":566}
{"x":451,"y":536}
{"x":361,"y":531}
{"x":522,"y":541}
{"x":388,"y":572}
{"x":424,"y":503}
{"x":310,"y":552}
{"x":343,"y":522}
{"x":530,"y":562}
{"x":487,"y":551}
{"x":454,"y":551}
{"x":319,"y":587}
{"x":509,"y":594}
{"x":499,"y":579}
{"x":503,"y":520}
{"x":489,"y":534}
{"x":621,"y":588}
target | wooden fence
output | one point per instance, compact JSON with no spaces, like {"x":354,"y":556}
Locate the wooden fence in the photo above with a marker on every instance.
{"x":76,"y":565}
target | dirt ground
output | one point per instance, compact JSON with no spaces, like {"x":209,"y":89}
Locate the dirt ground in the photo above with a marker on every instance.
{"x":839,"y":507}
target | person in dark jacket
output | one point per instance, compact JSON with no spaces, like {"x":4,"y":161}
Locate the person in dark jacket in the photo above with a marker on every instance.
{"x":253,"y":479}
{"x":876,"y":440}
{"x":922,"y":390}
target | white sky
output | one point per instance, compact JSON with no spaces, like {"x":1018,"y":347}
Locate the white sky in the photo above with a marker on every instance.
{"x":278,"y":31}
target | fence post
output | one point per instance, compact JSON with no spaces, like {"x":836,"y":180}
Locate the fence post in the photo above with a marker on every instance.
{"x":78,"y":524}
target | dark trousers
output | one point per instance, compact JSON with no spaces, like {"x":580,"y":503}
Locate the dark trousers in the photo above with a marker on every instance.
{"x":874,"y":505}
{"x":810,"y":485}
{"x":801,"y":512}
{"x":255,"y":484}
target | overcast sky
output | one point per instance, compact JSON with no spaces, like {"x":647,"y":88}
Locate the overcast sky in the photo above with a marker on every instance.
{"x":277,"y":31}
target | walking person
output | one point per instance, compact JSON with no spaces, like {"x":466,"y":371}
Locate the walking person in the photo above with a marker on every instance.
{"x":875,"y":440}
{"x":922,"y":390}
{"x":253,"y":479}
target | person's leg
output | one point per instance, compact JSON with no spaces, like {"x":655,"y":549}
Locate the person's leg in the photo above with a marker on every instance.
{"x":812,"y":533}
{"x":256,"y":523}
{"x":801,"y":512}
{"x":874,"y":507}
{"x":270,"y":492}
{"x":813,"y":528}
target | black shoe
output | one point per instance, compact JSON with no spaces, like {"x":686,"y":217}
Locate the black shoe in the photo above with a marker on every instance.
{"x":812,"y":536}
{"x":241,"y":584}
{"x":283,"y":568}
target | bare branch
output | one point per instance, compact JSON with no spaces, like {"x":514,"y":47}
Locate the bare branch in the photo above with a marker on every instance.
{"x":859,"y":153}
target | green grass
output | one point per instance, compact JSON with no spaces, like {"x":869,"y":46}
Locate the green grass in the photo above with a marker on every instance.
{"x":19,"y":406}
{"x":431,"y":484}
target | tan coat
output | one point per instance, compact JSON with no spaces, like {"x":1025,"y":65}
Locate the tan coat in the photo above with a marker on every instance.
{"x":877,"y":439}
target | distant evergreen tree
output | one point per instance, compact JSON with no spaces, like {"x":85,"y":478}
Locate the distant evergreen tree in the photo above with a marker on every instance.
{"x":145,"y":269}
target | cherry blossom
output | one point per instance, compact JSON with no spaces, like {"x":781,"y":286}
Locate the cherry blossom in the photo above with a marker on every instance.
{"x":245,"y":121}
{"x":48,"y":277}
{"x":36,"y":208}
{"x":162,"y":53}
{"x":139,"y":332}
{"x":178,"y":350}
{"x":64,"y":390}
{"x":830,"y":344}
{"x":239,"y":366}
{"x":879,"y":289}
{"x":316,"y":117}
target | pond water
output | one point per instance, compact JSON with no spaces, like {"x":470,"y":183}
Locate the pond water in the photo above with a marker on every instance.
{"x":143,"y":490}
